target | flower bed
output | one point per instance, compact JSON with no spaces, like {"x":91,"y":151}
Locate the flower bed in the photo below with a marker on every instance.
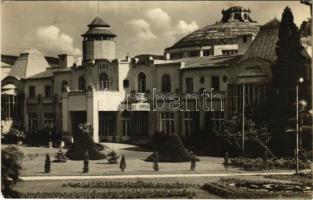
{"x":304,"y":178}
{"x":255,"y":164}
{"x":137,"y":184}
{"x":238,"y":188}
{"x":132,"y":194}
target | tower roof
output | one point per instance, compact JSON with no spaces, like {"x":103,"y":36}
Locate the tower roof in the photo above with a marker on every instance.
{"x":98,"y":22}
{"x":29,"y":63}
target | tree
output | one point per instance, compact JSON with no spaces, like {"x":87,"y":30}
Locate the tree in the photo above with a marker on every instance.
{"x":305,"y":28}
{"x":11,"y":158}
{"x":289,"y":48}
{"x":83,"y":142}
{"x":86,"y":162}
{"x":47,"y":164}
{"x":123,"y":163}
{"x":193,"y":163}
{"x":156,"y":161}
{"x":113,"y":157}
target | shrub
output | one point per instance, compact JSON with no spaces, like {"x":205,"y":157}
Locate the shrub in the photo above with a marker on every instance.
{"x":83,"y":142}
{"x":47,"y":164}
{"x":170,"y":149}
{"x":86,"y":163}
{"x":11,"y":158}
{"x":113,"y":157}
{"x":156,"y":161}
{"x":123,"y":163}
{"x":14,"y":136}
{"x":193,"y":163}
{"x":255,"y":164}
{"x":60,"y":156}
{"x":226,"y":160}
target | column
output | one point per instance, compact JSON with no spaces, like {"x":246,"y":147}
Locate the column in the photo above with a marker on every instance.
{"x":93,"y":114}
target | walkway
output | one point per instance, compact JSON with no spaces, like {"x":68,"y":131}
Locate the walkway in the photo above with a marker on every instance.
{"x":37,"y":178}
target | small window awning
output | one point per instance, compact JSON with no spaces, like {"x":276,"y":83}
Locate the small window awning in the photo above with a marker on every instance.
{"x":9,"y":89}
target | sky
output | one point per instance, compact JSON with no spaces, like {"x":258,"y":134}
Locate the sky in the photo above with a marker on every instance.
{"x":145,"y":27}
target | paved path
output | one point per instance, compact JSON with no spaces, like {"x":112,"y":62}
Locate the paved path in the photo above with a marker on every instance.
{"x":37,"y":178}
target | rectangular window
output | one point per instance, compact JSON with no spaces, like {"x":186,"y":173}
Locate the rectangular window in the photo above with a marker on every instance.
{"x":49,"y":119}
{"x":32,"y":92}
{"x":189,"y":123}
{"x":207,"y":52}
{"x":167,"y":123}
{"x":189,"y":85}
{"x":48,"y":91}
{"x":244,"y":39}
{"x":217,"y":121}
{"x":126,"y":127}
{"x":106,"y":126}
{"x":215,"y":83}
{"x":32,"y":122}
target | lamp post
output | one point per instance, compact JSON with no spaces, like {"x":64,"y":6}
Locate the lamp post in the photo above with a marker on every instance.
{"x":300,"y":80}
{"x":243,"y":119}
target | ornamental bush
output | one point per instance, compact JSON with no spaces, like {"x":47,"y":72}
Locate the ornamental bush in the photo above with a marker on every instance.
{"x":193,"y":163}
{"x":170,"y":149}
{"x":83,"y":142}
{"x":60,"y":156}
{"x":113,"y":157}
{"x":123,"y":163}
{"x":86,"y":163}
{"x":156,"y":161}
{"x":47,"y":164}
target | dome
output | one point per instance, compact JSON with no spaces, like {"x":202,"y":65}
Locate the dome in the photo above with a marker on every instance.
{"x":219,"y":33}
{"x":235,"y":22}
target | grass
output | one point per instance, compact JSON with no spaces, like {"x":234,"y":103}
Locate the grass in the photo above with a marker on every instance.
{"x":304,"y":178}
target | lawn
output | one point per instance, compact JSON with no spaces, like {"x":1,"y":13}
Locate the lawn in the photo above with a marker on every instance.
{"x":33,"y":163}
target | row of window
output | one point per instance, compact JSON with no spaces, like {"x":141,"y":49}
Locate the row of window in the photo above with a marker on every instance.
{"x":48,"y":91}
{"x":178,"y":55}
{"x":33,"y":121}
{"x":213,"y":121}
{"x":105,"y":84}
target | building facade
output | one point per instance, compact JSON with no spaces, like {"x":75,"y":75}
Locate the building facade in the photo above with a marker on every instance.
{"x":133,"y":98}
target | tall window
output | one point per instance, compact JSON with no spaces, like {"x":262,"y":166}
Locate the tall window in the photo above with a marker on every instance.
{"x":167,"y":123}
{"x":49,"y":118}
{"x":217,"y":121}
{"x":215,"y":83}
{"x":32,"y":122}
{"x":141,"y":82}
{"x":81,"y":83}
{"x":63,"y":86}
{"x":8,"y":106}
{"x":48,"y":91}
{"x":126,"y":126}
{"x":104,"y":83}
{"x":32,"y":92}
{"x":166,"y":83}
{"x":189,"y":123}
{"x":106,"y":125}
{"x":189,"y":85}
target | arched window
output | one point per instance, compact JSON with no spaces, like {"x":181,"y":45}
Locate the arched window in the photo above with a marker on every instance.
{"x":64,"y":84}
{"x":81,"y":83}
{"x":104,"y":83}
{"x":166,"y":83}
{"x":141,"y":82}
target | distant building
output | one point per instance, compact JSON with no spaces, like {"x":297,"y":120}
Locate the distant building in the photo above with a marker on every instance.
{"x":121,"y":99}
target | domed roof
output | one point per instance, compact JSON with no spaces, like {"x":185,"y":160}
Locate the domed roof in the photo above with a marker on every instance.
{"x":235,"y":22}
{"x":219,"y":33}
